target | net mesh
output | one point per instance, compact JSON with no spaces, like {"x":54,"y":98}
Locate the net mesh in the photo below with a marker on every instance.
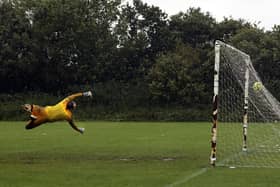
{"x":263,"y":130}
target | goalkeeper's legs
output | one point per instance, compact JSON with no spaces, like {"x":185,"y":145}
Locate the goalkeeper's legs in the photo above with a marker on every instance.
{"x":34,"y":123}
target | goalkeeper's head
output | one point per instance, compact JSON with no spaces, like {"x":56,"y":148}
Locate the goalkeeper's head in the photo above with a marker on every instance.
{"x":71,"y":105}
{"x":27,"y":107}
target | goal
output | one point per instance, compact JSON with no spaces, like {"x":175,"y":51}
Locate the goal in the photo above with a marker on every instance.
{"x":246,"y":118}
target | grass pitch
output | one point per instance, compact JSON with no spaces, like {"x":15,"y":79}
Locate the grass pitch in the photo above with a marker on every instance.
{"x":118,"y":154}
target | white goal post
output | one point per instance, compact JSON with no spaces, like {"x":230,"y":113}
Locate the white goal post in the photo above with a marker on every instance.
{"x":246,"y":116}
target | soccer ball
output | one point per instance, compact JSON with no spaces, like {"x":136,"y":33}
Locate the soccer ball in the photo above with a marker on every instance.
{"x":257,"y":86}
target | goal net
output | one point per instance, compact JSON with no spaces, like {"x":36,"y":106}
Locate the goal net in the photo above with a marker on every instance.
{"x":246,"y":116}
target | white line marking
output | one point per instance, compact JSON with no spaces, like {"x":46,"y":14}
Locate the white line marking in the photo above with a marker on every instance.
{"x":187,"y":178}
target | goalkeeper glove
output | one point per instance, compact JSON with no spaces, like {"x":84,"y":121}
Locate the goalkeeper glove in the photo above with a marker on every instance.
{"x":88,"y":93}
{"x":82,"y":130}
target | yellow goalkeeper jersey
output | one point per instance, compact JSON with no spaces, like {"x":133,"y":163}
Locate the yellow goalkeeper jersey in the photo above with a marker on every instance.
{"x":56,"y":112}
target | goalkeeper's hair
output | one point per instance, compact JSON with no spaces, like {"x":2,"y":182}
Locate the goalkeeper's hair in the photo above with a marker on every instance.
{"x":71,"y":105}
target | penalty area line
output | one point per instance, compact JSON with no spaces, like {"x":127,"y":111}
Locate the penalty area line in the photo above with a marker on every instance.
{"x":187,"y":178}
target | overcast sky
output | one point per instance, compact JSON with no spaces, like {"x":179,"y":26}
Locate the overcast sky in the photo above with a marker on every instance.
{"x":265,"y":13}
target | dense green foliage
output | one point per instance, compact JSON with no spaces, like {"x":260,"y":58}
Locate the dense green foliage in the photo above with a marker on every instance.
{"x":118,"y":154}
{"x":129,"y":54}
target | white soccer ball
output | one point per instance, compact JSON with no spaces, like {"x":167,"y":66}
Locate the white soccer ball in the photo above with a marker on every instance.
{"x":257,"y":86}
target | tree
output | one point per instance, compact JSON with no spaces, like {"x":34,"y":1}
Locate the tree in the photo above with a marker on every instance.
{"x":72,"y":41}
{"x":16,"y":61}
{"x":229,"y":27}
{"x":194,"y":27}
{"x":143,"y":33}
{"x":176,"y":77}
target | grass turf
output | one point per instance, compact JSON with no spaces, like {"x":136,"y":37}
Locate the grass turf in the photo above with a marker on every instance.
{"x":117,"y":154}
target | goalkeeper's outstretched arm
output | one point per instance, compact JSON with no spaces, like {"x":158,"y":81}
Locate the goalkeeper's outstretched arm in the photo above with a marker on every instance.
{"x":73,"y":96}
{"x":80,"y":130}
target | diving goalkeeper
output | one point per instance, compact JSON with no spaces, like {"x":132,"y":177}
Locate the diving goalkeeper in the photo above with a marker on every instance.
{"x":61,"y":111}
